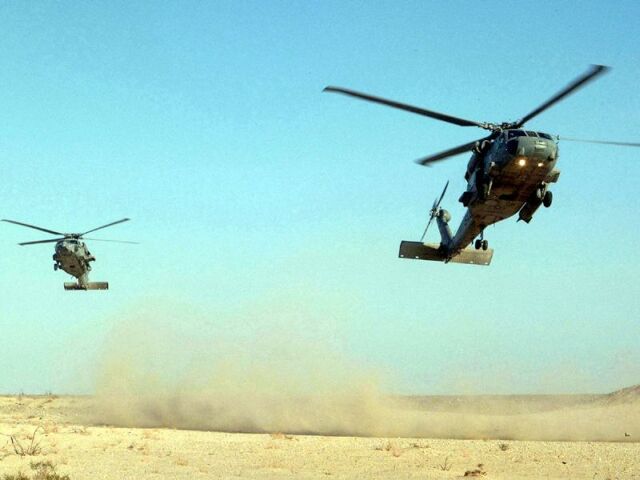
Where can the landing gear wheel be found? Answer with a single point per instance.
(485, 244)
(478, 244)
(55, 267)
(547, 199)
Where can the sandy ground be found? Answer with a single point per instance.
(70, 437)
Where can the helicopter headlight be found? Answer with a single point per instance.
(522, 162)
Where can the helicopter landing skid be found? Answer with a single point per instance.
(86, 286)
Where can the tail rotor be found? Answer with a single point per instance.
(435, 209)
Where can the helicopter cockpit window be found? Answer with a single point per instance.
(515, 133)
(531, 134)
(545, 135)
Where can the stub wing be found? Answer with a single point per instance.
(431, 251)
(86, 286)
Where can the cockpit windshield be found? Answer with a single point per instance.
(528, 133)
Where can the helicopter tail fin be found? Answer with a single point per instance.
(86, 286)
(433, 252)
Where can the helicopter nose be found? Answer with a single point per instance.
(538, 149)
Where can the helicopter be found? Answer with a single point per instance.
(509, 172)
(72, 254)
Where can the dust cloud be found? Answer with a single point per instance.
(175, 368)
(160, 369)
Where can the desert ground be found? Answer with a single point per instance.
(509, 437)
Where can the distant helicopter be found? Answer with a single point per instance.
(509, 172)
(73, 256)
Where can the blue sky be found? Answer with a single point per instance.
(252, 191)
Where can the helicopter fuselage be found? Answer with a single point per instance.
(73, 257)
(508, 174)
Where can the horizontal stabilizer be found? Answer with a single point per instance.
(421, 251)
(472, 256)
(431, 251)
(86, 286)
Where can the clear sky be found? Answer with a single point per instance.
(255, 196)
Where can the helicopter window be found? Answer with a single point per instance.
(545, 135)
(515, 133)
(532, 134)
(512, 147)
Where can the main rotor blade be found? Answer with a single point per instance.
(53, 232)
(448, 153)
(105, 226)
(605, 142)
(593, 72)
(114, 241)
(42, 241)
(409, 108)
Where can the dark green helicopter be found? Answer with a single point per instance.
(509, 172)
(72, 254)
